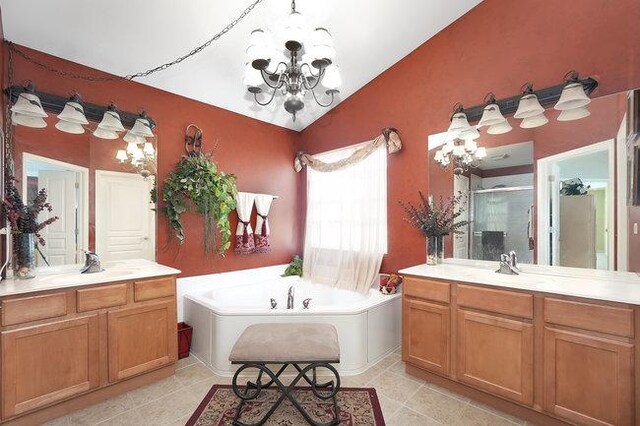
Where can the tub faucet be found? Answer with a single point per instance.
(290, 297)
(91, 263)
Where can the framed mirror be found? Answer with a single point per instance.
(103, 204)
(559, 193)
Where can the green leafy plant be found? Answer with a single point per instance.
(436, 220)
(294, 268)
(196, 184)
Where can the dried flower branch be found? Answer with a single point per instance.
(438, 220)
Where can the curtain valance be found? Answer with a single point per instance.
(389, 137)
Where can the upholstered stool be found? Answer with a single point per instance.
(307, 347)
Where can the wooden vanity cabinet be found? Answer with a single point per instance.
(552, 357)
(426, 325)
(59, 346)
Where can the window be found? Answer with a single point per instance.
(346, 228)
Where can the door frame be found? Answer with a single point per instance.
(83, 202)
(544, 170)
(152, 216)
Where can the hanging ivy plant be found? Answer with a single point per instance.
(197, 184)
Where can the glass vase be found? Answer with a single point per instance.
(24, 256)
(435, 249)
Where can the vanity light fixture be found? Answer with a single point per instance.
(573, 95)
(72, 118)
(111, 120)
(105, 134)
(307, 65)
(142, 126)
(529, 105)
(491, 114)
(500, 128)
(573, 114)
(27, 110)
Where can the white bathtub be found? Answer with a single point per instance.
(221, 306)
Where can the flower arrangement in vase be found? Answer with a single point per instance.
(436, 221)
(25, 227)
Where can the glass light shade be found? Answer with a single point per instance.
(132, 147)
(458, 150)
(529, 106)
(137, 154)
(276, 57)
(142, 127)
(252, 77)
(130, 137)
(295, 28)
(470, 133)
(111, 122)
(321, 37)
(572, 96)
(27, 121)
(470, 145)
(481, 153)
(500, 128)
(459, 122)
(148, 149)
(322, 52)
(73, 113)
(491, 115)
(533, 122)
(69, 127)
(448, 147)
(439, 156)
(258, 38)
(121, 155)
(258, 52)
(105, 134)
(574, 114)
(29, 104)
(332, 79)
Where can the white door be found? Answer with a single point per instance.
(60, 236)
(125, 220)
(461, 241)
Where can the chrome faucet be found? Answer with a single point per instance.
(91, 263)
(508, 264)
(290, 297)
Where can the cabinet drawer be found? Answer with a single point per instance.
(153, 289)
(33, 308)
(613, 320)
(425, 289)
(101, 297)
(498, 301)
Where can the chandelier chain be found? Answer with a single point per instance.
(195, 51)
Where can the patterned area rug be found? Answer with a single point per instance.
(358, 407)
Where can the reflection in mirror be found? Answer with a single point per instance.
(557, 194)
(104, 203)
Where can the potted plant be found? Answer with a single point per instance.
(436, 221)
(25, 227)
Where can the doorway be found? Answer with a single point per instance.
(576, 225)
(125, 216)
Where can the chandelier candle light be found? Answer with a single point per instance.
(303, 66)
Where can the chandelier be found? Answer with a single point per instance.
(304, 65)
(459, 154)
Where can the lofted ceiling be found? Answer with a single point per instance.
(124, 36)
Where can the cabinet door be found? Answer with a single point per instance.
(47, 363)
(426, 335)
(141, 339)
(588, 380)
(496, 354)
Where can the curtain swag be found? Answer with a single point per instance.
(389, 137)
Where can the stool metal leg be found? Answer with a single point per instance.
(287, 391)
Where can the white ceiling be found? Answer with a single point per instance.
(124, 36)
(517, 154)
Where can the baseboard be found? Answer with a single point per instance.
(76, 403)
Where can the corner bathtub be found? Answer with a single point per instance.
(369, 325)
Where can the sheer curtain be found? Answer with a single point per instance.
(346, 227)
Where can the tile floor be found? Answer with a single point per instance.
(405, 400)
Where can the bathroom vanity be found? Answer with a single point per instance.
(69, 339)
(551, 343)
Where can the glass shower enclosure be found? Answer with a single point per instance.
(501, 221)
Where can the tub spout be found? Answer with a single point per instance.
(290, 297)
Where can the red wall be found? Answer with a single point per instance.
(497, 46)
(259, 154)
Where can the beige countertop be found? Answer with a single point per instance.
(610, 286)
(69, 276)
